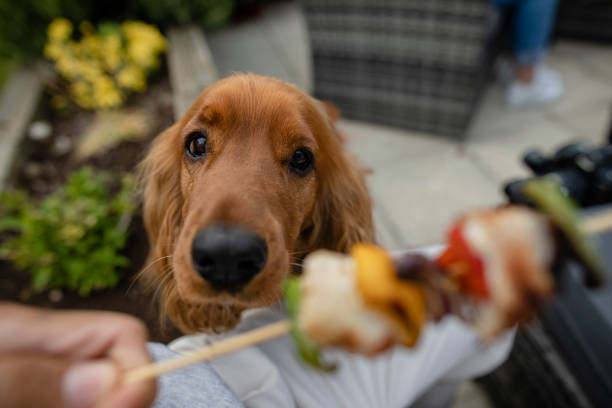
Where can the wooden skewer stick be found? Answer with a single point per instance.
(206, 353)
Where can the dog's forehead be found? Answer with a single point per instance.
(252, 105)
(254, 99)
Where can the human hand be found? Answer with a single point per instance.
(69, 359)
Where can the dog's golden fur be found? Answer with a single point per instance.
(254, 124)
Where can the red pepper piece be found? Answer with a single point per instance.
(459, 260)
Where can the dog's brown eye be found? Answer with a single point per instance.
(196, 145)
(301, 162)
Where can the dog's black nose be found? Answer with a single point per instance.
(228, 257)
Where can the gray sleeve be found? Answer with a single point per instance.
(191, 387)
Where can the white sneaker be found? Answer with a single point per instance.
(546, 87)
(546, 74)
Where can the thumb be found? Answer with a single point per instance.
(38, 381)
(85, 383)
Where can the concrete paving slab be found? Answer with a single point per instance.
(590, 122)
(581, 88)
(285, 27)
(377, 145)
(500, 157)
(592, 59)
(387, 234)
(191, 66)
(18, 102)
(494, 117)
(423, 195)
(273, 45)
(245, 48)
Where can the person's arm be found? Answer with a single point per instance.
(70, 359)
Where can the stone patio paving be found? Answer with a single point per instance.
(421, 182)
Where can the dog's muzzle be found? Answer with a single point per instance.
(228, 257)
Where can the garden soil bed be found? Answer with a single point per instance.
(40, 172)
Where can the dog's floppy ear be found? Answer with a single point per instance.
(342, 215)
(162, 199)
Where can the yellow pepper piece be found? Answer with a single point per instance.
(403, 303)
(412, 300)
(375, 273)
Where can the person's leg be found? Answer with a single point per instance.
(533, 24)
(533, 83)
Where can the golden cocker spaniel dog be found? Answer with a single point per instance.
(247, 182)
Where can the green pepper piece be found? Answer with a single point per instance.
(548, 196)
(309, 351)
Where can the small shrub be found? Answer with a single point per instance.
(72, 238)
(104, 65)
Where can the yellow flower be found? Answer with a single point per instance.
(131, 78)
(91, 45)
(90, 69)
(106, 93)
(104, 65)
(59, 29)
(53, 50)
(68, 66)
(81, 92)
(140, 54)
(111, 46)
(79, 88)
(144, 43)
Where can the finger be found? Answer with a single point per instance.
(139, 395)
(77, 335)
(129, 352)
(99, 382)
(89, 382)
(128, 347)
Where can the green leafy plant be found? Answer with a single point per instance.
(72, 238)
